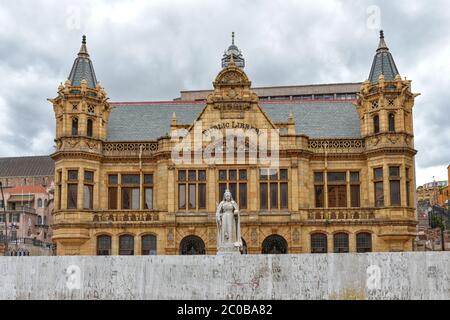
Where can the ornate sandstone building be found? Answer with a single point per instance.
(336, 175)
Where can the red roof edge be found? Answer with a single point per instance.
(178, 102)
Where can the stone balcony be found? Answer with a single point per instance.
(341, 214)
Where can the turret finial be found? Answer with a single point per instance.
(232, 37)
(83, 50)
(382, 45)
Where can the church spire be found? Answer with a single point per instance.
(82, 68)
(233, 51)
(383, 63)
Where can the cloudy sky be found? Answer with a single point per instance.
(150, 50)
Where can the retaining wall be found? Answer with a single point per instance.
(424, 275)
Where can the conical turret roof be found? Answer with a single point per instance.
(82, 68)
(383, 63)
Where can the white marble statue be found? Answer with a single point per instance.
(228, 225)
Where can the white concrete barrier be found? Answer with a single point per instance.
(305, 276)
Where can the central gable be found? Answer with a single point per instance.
(232, 104)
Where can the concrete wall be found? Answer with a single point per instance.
(305, 276)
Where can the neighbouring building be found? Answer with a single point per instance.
(139, 178)
(433, 228)
(432, 192)
(28, 191)
(27, 171)
(443, 196)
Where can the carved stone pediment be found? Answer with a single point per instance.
(394, 139)
(374, 140)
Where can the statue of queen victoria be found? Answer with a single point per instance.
(228, 225)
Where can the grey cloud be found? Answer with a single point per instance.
(152, 51)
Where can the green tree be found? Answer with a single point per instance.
(437, 222)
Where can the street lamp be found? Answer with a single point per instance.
(6, 219)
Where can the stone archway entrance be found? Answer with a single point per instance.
(274, 244)
(192, 245)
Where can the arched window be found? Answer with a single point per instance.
(391, 122)
(363, 242)
(319, 243)
(75, 126)
(39, 220)
(376, 124)
(340, 242)
(148, 245)
(274, 244)
(191, 245)
(126, 245)
(103, 245)
(46, 203)
(39, 203)
(89, 130)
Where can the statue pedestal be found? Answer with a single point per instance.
(228, 249)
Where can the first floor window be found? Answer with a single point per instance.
(192, 189)
(88, 196)
(263, 192)
(72, 196)
(337, 196)
(112, 198)
(234, 180)
(148, 198)
(148, 191)
(355, 196)
(273, 189)
(130, 198)
(337, 189)
(394, 185)
(395, 192)
(318, 189)
(408, 190)
(379, 194)
(182, 196)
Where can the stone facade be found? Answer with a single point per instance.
(329, 194)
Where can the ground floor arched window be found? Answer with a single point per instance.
(340, 242)
(319, 243)
(192, 245)
(126, 245)
(148, 245)
(363, 242)
(104, 245)
(274, 244)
